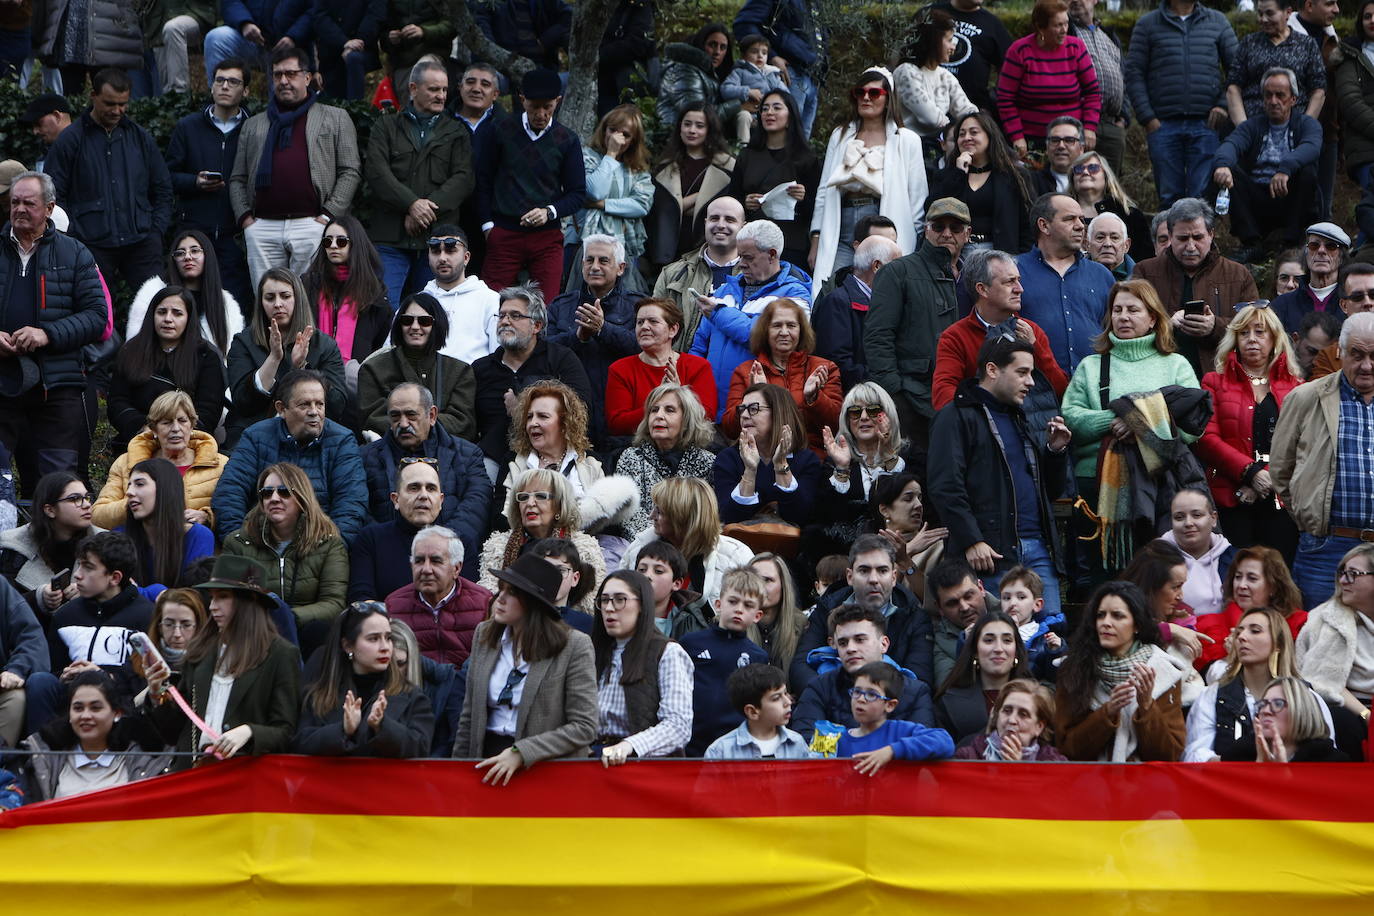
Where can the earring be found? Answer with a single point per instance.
(1016, 660)
(975, 664)
(350, 656)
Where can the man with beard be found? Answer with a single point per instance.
(469, 303)
(299, 434)
(416, 437)
(524, 357)
(872, 577)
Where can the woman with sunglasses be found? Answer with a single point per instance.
(300, 548)
(193, 266)
(170, 434)
(362, 705)
(995, 187)
(416, 356)
(531, 682)
(167, 354)
(346, 293)
(1046, 75)
(1098, 191)
(541, 504)
(783, 345)
(873, 165)
(281, 337)
(779, 154)
(1255, 370)
(769, 469)
(644, 680)
(37, 558)
(1338, 639)
(866, 446)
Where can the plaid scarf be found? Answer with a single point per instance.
(1114, 670)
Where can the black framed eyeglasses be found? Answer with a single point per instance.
(752, 409)
(1348, 574)
(76, 499)
(606, 602)
(1276, 705)
(1063, 141)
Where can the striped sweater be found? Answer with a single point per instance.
(1037, 86)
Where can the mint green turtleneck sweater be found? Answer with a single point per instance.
(1136, 366)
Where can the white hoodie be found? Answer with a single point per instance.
(471, 309)
(1203, 589)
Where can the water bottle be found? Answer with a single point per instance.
(1223, 206)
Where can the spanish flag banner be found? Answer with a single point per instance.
(310, 835)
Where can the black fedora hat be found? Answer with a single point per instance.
(240, 574)
(537, 579)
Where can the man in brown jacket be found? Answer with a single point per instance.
(1193, 269)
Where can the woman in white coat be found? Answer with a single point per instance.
(192, 265)
(873, 165)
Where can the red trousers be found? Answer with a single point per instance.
(540, 252)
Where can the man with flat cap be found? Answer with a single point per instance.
(530, 175)
(1325, 252)
(913, 301)
(48, 115)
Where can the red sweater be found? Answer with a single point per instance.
(631, 379)
(445, 635)
(1227, 447)
(956, 358)
(825, 412)
(1036, 86)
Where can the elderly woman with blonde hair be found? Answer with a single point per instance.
(1255, 370)
(171, 434)
(540, 504)
(670, 442)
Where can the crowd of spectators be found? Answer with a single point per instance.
(913, 436)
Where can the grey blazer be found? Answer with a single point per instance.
(558, 713)
(335, 166)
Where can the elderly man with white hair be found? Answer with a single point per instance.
(597, 321)
(838, 317)
(440, 605)
(1321, 463)
(728, 314)
(1109, 244)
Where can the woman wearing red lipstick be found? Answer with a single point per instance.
(362, 705)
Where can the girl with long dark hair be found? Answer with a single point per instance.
(996, 188)
(346, 293)
(694, 169)
(643, 678)
(255, 715)
(167, 354)
(32, 555)
(193, 265)
(361, 705)
(1119, 692)
(531, 689)
(779, 154)
(155, 520)
(993, 655)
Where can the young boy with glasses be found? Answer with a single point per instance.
(877, 740)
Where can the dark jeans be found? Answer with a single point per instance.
(14, 50)
(1111, 144)
(134, 263)
(233, 270)
(46, 432)
(1255, 214)
(345, 76)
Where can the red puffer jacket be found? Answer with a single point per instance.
(1227, 448)
(445, 635)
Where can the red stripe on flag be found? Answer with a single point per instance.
(1054, 792)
